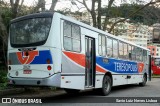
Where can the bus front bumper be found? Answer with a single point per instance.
(53, 80)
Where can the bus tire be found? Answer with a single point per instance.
(143, 83)
(106, 85)
(71, 91)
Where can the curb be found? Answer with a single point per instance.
(156, 77)
(11, 91)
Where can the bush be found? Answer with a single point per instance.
(3, 78)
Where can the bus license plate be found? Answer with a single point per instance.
(27, 72)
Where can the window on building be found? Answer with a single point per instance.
(136, 35)
(157, 54)
(71, 33)
(152, 49)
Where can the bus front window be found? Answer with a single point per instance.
(30, 32)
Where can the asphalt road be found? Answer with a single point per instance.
(87, 98)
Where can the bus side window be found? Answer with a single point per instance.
(144, 56)
(130, 52)
(109, 47)
(102, 45)
(99, 44)
(115, 48)
(71, 37)
(125, 51)
(141, 56)
(67, 36)
(133, 53)
(121, 50)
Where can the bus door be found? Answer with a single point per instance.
(90, 62)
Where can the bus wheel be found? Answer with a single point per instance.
(144, 80)
(72, 91)
(106, 85)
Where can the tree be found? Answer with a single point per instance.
(9, 11)
(14, 9)
(16, 6)
(40, 6)
(54, 2)
(96, 23)
(91, 11)
(132, 14)
(3, 30)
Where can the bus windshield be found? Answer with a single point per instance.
(30, 32)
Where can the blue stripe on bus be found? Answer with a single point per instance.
(117, 66)
(42, 58)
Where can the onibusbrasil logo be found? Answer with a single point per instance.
(20, 100)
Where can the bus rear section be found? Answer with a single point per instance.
(31, 53)
(155, 65)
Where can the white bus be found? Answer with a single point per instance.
(50, 49)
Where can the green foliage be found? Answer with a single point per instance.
(3, 78)
(6, 15)
(148, 16)
(3, 75)
(3, 86)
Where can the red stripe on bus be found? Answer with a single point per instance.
(80, 59)
(140, 67)
(99, 69)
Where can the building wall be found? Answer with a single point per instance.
(137, 34)
(158, 51)
(153, 50)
